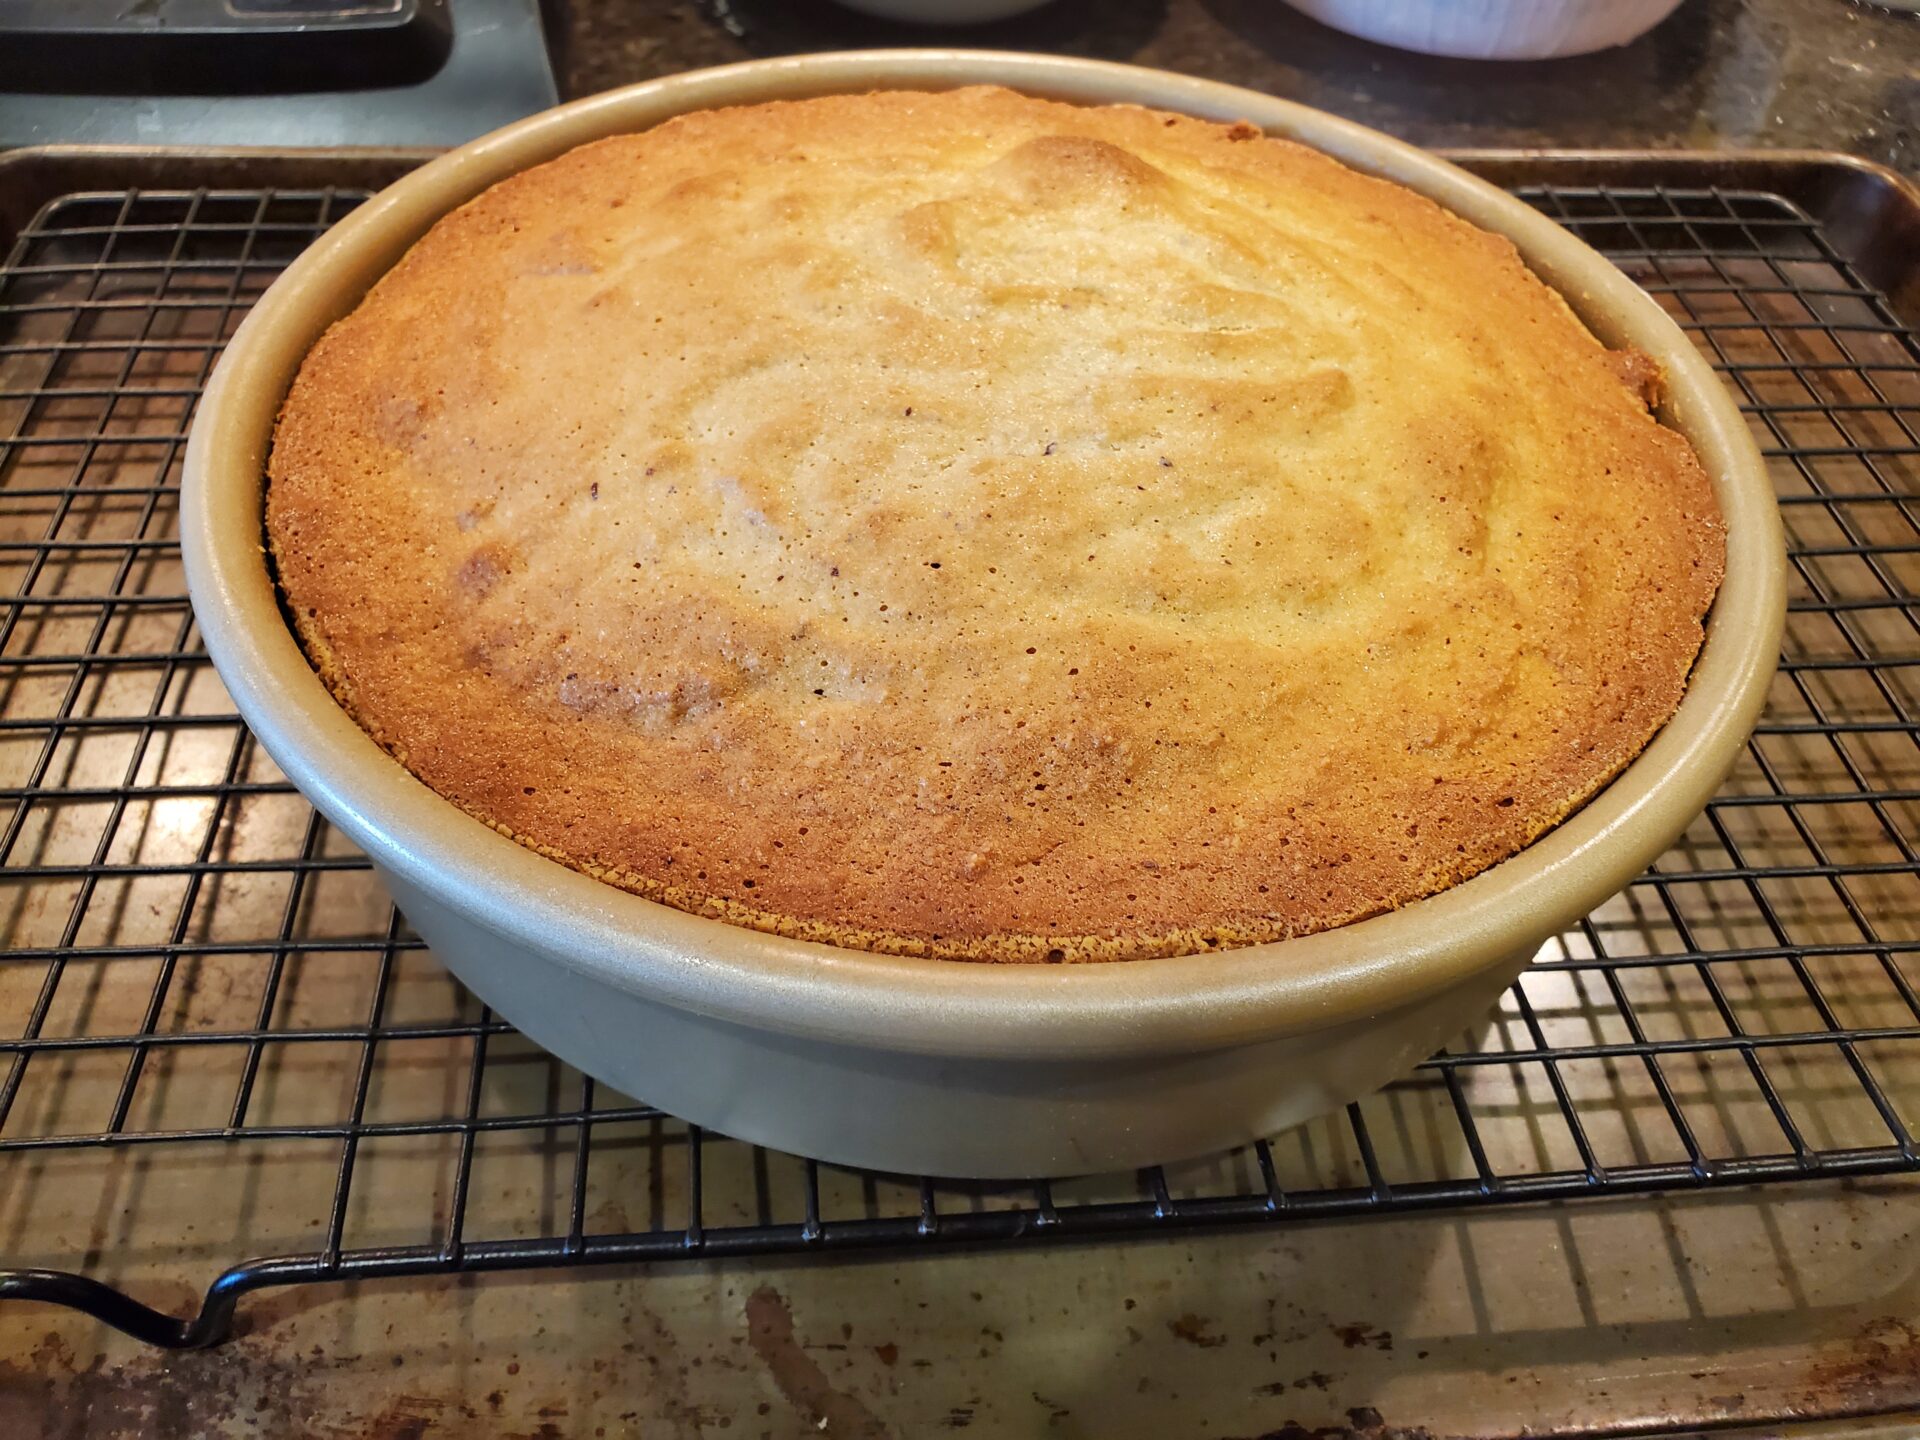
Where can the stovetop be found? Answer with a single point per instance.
(270, 72)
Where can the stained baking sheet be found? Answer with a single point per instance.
(219, 1041)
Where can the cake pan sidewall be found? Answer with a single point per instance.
(558, 916)
(956, 1116)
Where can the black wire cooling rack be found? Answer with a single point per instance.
(219, 1038)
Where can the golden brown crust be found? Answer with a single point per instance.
(975, 526)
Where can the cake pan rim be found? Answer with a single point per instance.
(1204, 1001)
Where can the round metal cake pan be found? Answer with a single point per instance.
(930, 1066)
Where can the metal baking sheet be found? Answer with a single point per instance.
(215, 1031)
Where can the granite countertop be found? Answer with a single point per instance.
(1819, 74)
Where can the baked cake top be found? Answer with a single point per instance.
(970, 525)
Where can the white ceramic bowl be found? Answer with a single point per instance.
(924, 1065)
(1493, 29)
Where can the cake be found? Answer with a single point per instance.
(974, 526)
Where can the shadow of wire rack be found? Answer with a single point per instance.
(219, 1040)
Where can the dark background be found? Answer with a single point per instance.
(1719, 73)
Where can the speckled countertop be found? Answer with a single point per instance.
(1821, 74)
